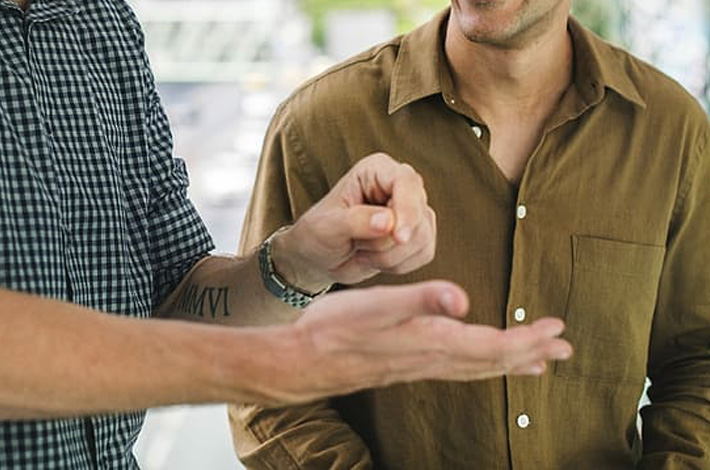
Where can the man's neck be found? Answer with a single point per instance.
(528, 77)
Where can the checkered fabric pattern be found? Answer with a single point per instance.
(93, 207)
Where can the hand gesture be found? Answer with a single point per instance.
(374, 337)
(375, 219)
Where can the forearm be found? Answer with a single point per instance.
(226, 290)
(63, 360)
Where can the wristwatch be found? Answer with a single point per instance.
(276, 284)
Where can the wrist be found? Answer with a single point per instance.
(295, 268)
(271, 377)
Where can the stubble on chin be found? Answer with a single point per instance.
(481, 33)
(476, 21)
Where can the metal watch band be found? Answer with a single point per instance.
(276, 285)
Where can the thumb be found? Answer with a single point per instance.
(384, 306)
(367, 222)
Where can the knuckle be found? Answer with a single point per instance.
(380, 158)
(386, 373)
(430, 253)
(411, 173)
(501, 349)
(426, 239)
(382, 260)
(384, 245)
(363, 162)
(389, 260)
(431, 215)
(372, 160)
(438, 356)
(399, 269)
(407, 168)
(424, 324)
(435, 327)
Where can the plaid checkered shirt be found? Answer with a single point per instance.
(93, 206)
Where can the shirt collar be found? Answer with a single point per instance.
(421, 66)
(600, 66)
(417, 70)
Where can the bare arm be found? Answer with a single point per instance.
(64, 360)
(60, 359)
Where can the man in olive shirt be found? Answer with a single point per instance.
(569, 179)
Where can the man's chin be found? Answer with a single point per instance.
(499, 38)
(491, 28)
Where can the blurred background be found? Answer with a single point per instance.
(223, 66)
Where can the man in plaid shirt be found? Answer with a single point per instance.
(94, 217)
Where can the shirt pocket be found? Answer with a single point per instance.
(610, 306)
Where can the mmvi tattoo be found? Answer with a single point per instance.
(196, 299)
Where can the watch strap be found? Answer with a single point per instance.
(276, 284)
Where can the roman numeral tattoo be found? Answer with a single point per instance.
(195, 299)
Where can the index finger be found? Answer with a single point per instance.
(408, 201)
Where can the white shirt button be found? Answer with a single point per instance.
(520, 314)
(522, 212)
(523, 421)
(478, 131)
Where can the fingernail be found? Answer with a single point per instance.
(564, 353)
(380, 221)
(446, 300)
(555, 330)
(536, 370)
(404, 234)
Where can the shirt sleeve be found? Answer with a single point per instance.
(313, 436)
(676, 425)
(305, 437)
(178, 236)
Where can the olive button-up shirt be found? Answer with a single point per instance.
(609, 230)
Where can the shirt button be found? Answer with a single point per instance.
(478, 131)
(522, 212)
(520, 314)
(523, 421)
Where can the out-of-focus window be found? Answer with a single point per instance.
(224, 65)
(222, 68)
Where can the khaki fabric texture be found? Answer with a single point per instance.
(615, 241)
